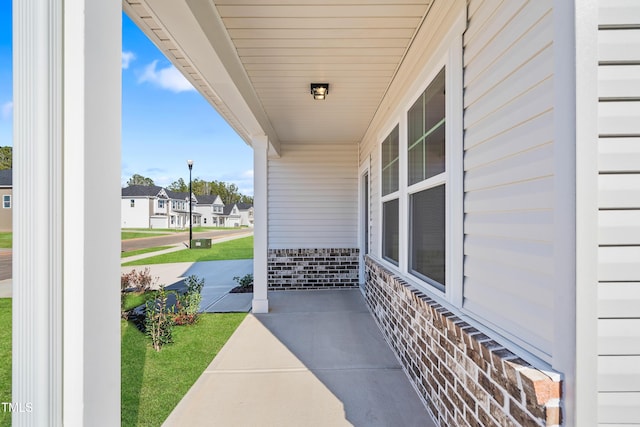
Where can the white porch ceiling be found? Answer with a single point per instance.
(273, 49)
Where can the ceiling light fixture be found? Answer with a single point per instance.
(319, 90)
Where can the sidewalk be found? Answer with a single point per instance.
(317, 359)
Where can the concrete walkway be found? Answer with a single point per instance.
(317, 359)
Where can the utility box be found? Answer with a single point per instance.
(201, 244)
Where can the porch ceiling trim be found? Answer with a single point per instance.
(254, 61)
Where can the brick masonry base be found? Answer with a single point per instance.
(464, 377)
(298, 269)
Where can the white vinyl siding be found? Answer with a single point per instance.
(509, 161)
(136, 216)
(619, 214)
(313, 196)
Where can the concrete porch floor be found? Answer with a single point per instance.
(317, 359)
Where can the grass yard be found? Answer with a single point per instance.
(232, 249)
(6, 239)
(5, 358)
(143, 251)
(154, 382)
(134, 299)
(126, 235)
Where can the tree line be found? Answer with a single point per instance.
(228, 192)
(6, 157)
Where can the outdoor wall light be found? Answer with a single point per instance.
(319, 90)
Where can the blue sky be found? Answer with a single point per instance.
(165, 121)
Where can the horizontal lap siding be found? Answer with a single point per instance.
(508, 162)
(619, 215)
(313, 196)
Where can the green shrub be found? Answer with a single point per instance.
(159, 320)
(244, 281)
(188, 303)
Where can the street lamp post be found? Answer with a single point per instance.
(190, 164)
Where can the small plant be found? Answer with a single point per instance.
(137, 281)
(158, 320)
(245, 281)
(188, 303)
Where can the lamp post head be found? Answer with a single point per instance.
(190, 163)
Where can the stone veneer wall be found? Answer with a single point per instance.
(312, 268)
(465, 378)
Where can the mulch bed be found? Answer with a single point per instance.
(241, 289)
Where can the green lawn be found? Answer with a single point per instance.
(6, 238)
(232, 249)
(154, 382)
(134, 299)
(126, 235)
(5, 358)
(143, 251)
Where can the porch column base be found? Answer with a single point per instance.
(260, 306)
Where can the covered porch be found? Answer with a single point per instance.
(316, 359)
(490, 333)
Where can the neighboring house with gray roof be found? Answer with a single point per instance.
(211, 209)
(246, 214)
(6, 192)
(150, 206)
(231, 216)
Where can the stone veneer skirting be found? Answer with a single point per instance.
(312, 268)
(465, 378)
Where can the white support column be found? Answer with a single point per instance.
(260, 228)
(66, 327)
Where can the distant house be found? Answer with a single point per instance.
(211, 209)
(246, 214)
(6, 191)
(231, 216)
(150, 206)
(178, 210)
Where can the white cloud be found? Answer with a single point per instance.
(166, 78)
(127, 57)
(6, 110)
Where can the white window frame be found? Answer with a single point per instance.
(449, 57)
(393, 195)
(6, 198)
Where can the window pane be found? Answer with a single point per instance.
(416, 163)
(414, 121)
(390, 163)
(434, 101)
(426, 139)
(427, 234)
(435, 152)
(390, 232)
